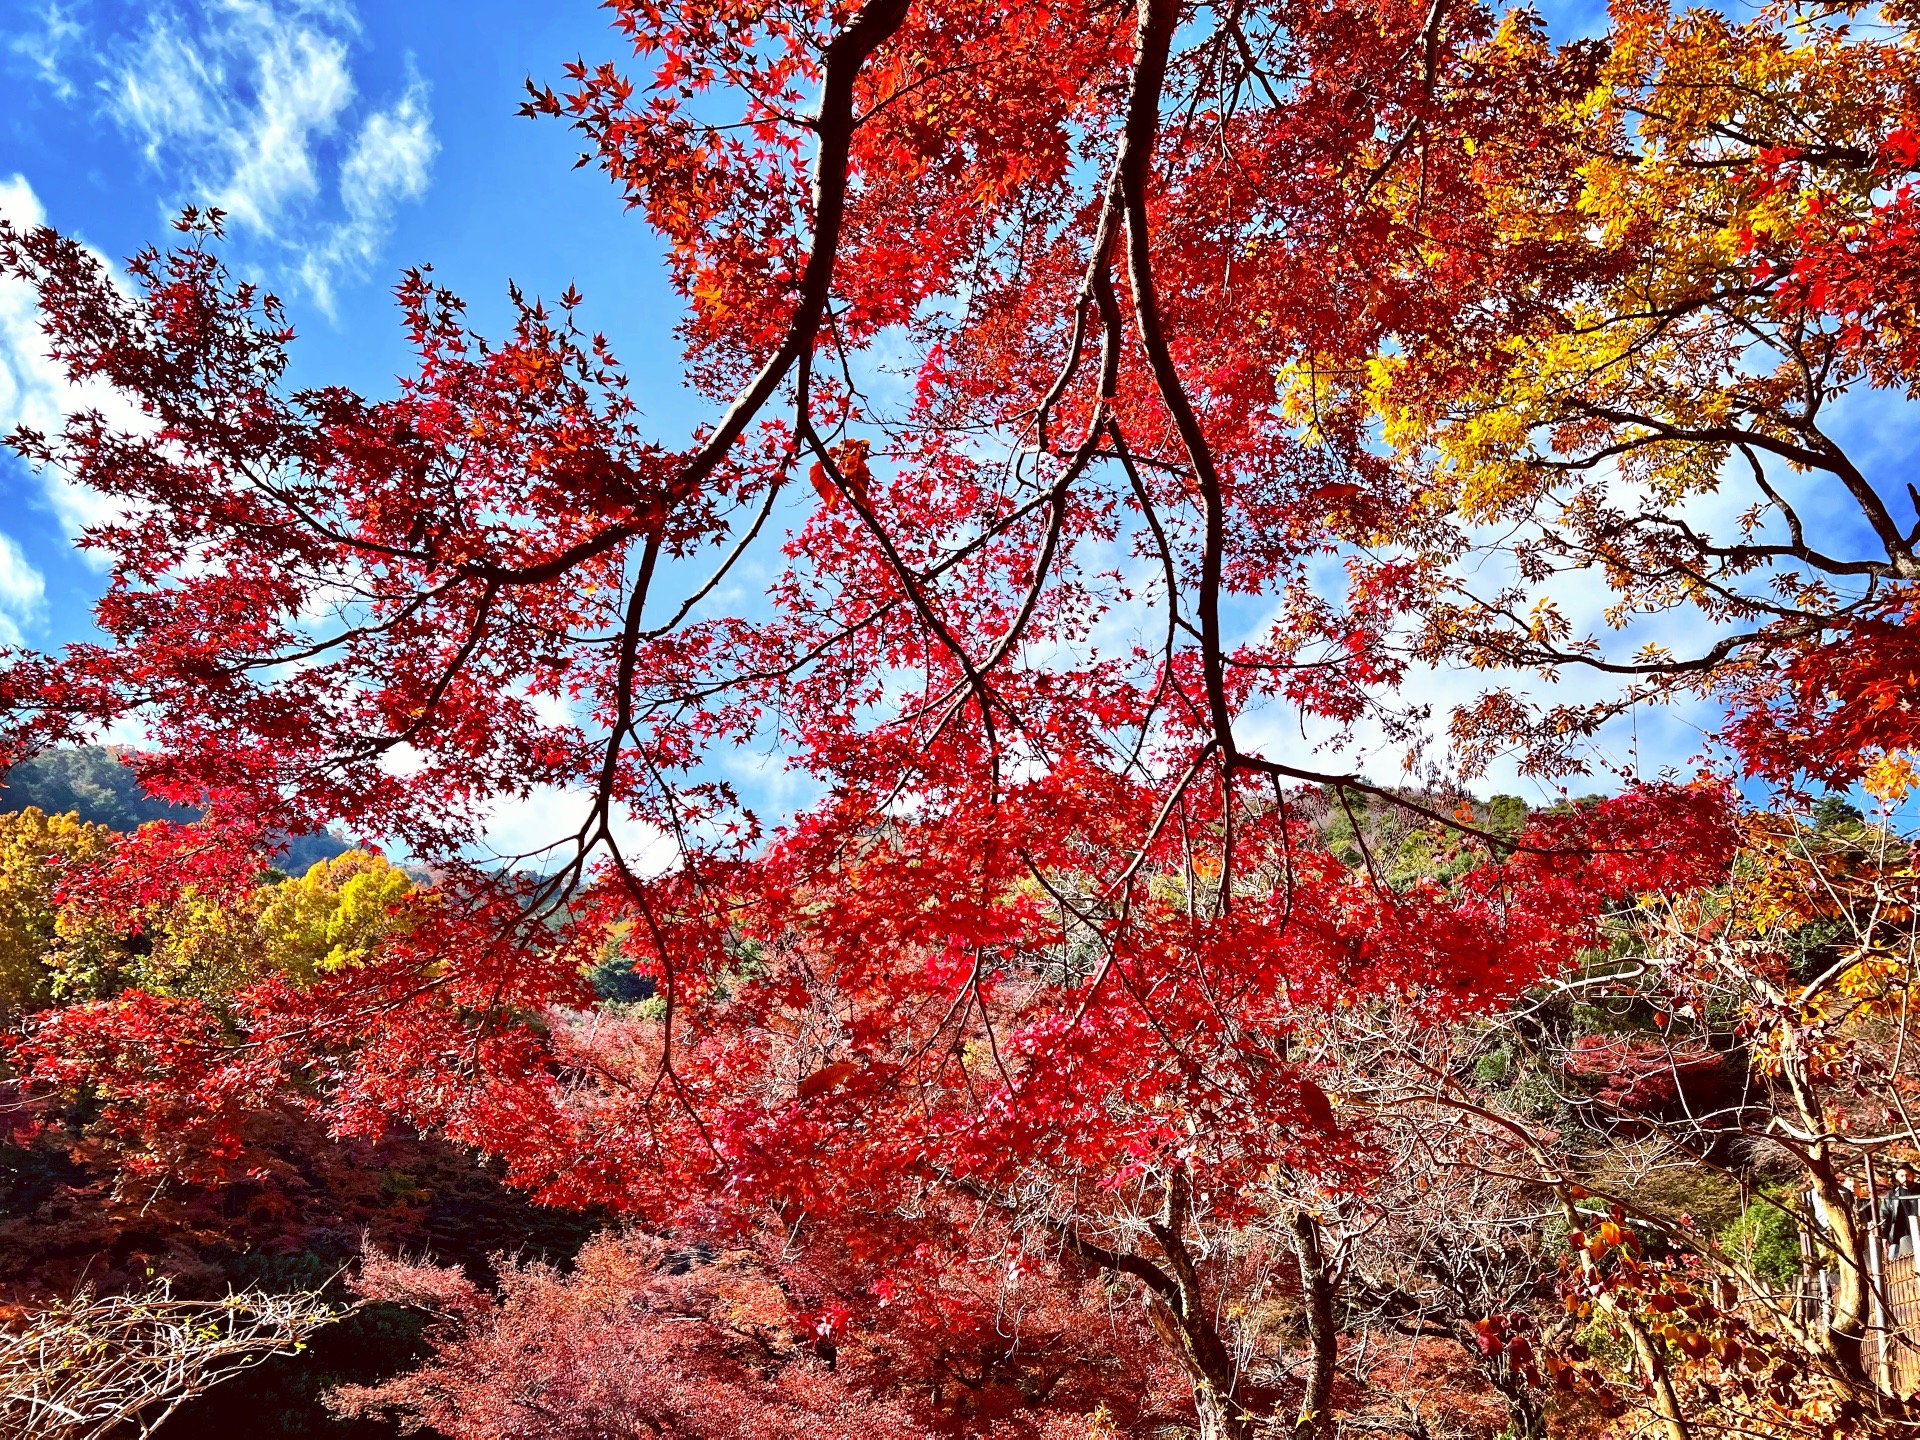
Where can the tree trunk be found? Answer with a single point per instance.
(1673, 1419)
(1209, 1370)
(1836, 1208)
(1182, 1318)
(1220, 1417)
(1315, 1421)
(1176, 1303)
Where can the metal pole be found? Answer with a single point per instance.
(1876, 1280)
(1805, 1306)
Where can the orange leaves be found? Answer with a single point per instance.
(850, 479)
(827, 1078)
(1890, 778)
(823, 486)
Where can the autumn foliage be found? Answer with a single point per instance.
(1166, 381)
(708, 1342)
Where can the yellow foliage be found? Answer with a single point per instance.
(1891, 778)
(33, 849)
(201, 947)
(1666, 345)
(333, 917)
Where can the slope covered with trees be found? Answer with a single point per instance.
(95, 784)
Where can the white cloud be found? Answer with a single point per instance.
(167, 94)
(22, 592)
(389, 164)
(390, 158)
(303, 86)
(251, 106)
(240, 107)
(34, 390)
(46, 44)
(537, 832)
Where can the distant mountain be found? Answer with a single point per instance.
(300, 853)
(92, 782)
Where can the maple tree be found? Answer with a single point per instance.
(1200, 308)
(1672, 414)
(699, 1341)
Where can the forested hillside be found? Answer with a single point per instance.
(94, 784)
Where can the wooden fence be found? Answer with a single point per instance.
(1893, 1345)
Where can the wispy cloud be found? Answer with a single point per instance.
(240, 106)
(388, 165)
(46, 45)
(22, 592)
(252, 106)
